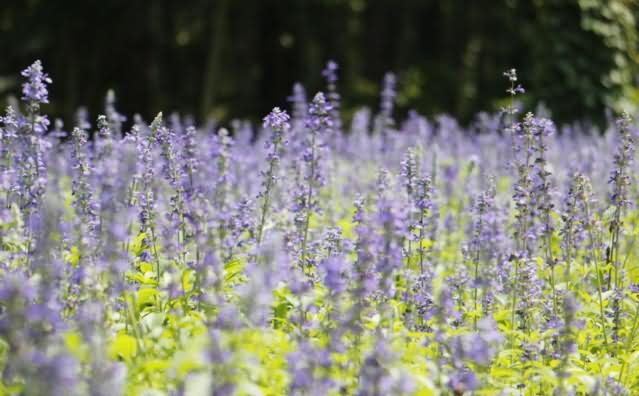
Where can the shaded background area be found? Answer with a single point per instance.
(230, 58)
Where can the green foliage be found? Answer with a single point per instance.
(583, 57)
(577, 56)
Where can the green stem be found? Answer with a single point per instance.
(309, 195)
(514, 308)
(421, 242)
(267, 196)
(602, 316)
(629, 340)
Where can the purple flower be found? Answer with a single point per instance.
(299, 112)
(334, 269)
(114, 117)
(619, 176)
(190, 156)
(463, 381)
(479, 347)
(277, 120)
(409, 171)
(34, 91)
(615, 388)
(306, 200)
(82, 190)
(388, 95)
(512, 77)
(574, 218)
(330, 72)
(318, 111)
(384, 121)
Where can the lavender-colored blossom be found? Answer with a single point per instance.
(388, 96)
(620, 179)
(277, 121)
(320, 256)
(34, 91)
(479, 347)
(330, 74)
(300, 106)
(114, 118)
(375, 378)
(191, 159)
(574, 218)
(82, 190)
(334, 273)
(463, 381)
(318, 123)
(385, 120)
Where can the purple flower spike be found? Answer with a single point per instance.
(35, 89)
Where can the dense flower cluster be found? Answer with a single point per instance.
(310, 258)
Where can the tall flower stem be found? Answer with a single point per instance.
(277, 120)
(599, 275)
(628, 344)
(307, 199)
(620, 179)
(318, 122)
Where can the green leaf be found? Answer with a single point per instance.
(124, 346)
(188, 276)
(137, 246)
(146, 297)
(232, 269)
(72, 256)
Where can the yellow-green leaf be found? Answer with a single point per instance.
(124, 346)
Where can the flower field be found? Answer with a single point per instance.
(307, 256)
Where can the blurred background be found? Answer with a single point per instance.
(239, 58)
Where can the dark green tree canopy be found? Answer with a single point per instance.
(239, 58)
